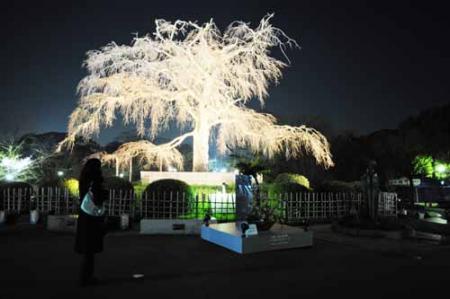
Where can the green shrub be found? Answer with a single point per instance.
(292, 178)
(205, 189)
(116, 183)
(290, 182)
(211, 189)
(288, 188)
(72, 185)
(139, 188)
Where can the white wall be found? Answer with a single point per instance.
(191, 178)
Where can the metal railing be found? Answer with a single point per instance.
(54, 201)
(120, 202)
(172, 205)
(319, 207)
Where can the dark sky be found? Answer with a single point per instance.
(363, 66)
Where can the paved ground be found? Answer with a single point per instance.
(35, 263)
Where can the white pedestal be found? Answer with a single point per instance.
(229, 235)
(171, 226)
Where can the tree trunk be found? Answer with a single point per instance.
(201, 148)
(131, 170)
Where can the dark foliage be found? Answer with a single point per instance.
(52, 182)
(116, 183)
(393, 150)
(14, 185)
(339, 186)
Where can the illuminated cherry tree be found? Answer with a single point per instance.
(199, 78)
(146, 152)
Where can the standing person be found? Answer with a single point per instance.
(90, 229)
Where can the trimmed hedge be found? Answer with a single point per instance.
(292, 178)
(167, 185)
(158, 198)
(290, 182)
(289, 187)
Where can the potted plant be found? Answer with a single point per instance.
(264, 215)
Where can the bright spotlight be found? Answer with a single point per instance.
(440, 168)
(15, 166)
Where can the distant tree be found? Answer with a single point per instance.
(432, 125)
(350, 155)
(423, 166)
(426, 166)
(50, 163)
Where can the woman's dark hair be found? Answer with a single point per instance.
(91, 172)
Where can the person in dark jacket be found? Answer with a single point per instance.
(90, 229)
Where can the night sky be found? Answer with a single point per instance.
(363, 65)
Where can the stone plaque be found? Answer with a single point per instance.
(279, 240)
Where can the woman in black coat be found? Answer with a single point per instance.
(90, 229)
